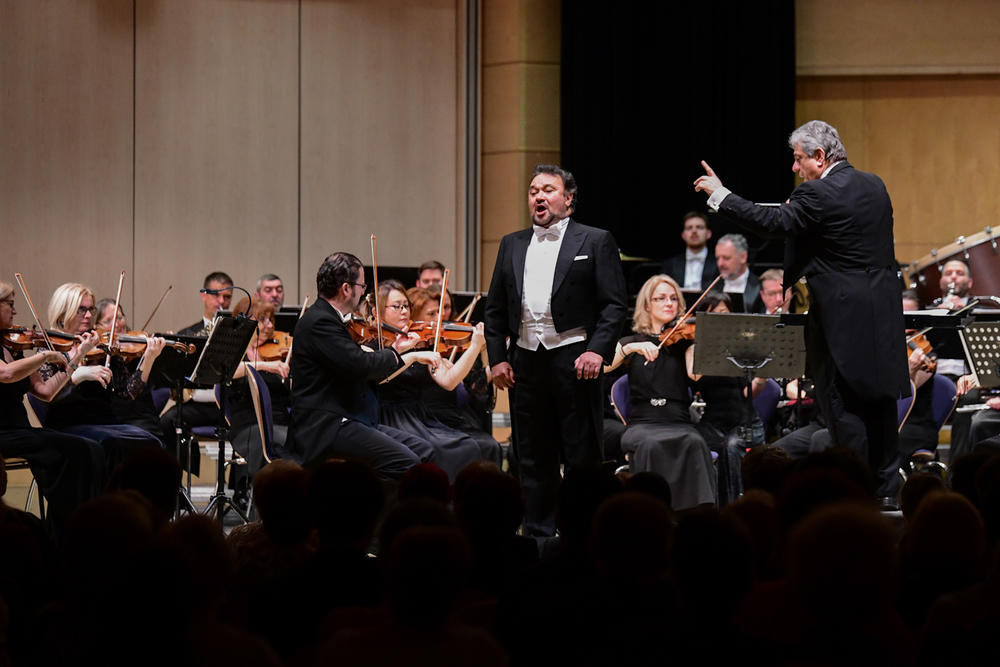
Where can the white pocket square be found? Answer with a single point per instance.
(579, 257)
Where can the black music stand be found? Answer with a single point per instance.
(981, 341)
(225, 348)
(171, 370)
(734, 344)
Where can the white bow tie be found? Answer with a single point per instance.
(543, 233)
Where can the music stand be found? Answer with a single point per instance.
(981, 341)
(170, 370)
(735, 344)
(225, 348)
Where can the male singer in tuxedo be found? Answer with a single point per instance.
(555, 310)
(839, 226)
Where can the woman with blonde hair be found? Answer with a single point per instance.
(68, 469)
(660, 436)
(85, 408)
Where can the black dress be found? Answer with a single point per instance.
(920, 430)
(400, 407)
(69, 469)
(659, 436)
(445, 406)
(85, 410)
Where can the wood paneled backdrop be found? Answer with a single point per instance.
(914, 89)
(173, 138)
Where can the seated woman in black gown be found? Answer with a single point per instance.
(68, 469)
(462, 413)
(920, 430)
(400, 404)
(725, 415)
(660, 436)
(85, 408)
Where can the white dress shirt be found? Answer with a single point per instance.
(738, 286)
(694, 267)
(537, 326)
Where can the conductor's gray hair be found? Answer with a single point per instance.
(816, 135)
(738, 240)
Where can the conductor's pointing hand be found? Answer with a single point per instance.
(708, 183)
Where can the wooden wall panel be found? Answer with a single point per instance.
(216, 148)
(933, 140)
(380, 128)
(66, 148)
(852, 37)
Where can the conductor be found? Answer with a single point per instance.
(838, 223)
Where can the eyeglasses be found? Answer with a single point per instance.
(660, 299)
(81, 311)
(399, 307)
(9, 302)
(364, 288)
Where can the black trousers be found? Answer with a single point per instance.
(556, 419)
(69, 469)
(869, 427)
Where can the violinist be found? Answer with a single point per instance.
(141, 411)
(400, 404)
(334, 404)
(660, 436)
(920, 431)
(725, 414)
(200, 408)
(468, 414)
(244, 433)
(69, 469)
(85, 408)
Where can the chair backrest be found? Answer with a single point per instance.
(265, 417)
(767, 401)
(621, 398)
(944, 399)
(39, 407)
(160, 397)
(904, 405)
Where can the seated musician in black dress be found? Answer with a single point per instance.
(69, 469)
(660, 436)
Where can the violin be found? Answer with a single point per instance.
(683, 330)
(19, 339)
(454, 335)
(275, 348)
(919, 342)
(129, 346)
(364, 331)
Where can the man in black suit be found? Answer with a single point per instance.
(731, 253)
(694, 269)
(201, 409)
(839, 229)
(213, 301)
(558, 297)
(334, 405)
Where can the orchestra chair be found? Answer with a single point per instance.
(943, 402)
(766, 401)
(265, 417)
(621, 396)
(38, 407)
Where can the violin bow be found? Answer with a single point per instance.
(31, 307)
(686, 315)
(378, 318)
(437, 329)
(143, 327)
(467, 313)
(114, 320)
(465, 316)
(288, 357)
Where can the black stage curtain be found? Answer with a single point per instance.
(651, 89)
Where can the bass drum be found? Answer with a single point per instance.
(980, 251)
